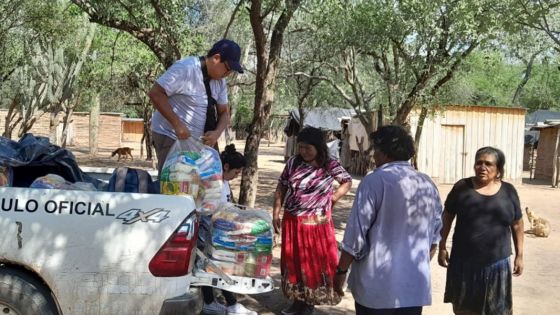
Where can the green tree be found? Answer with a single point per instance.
(268, 54)
(160, 25)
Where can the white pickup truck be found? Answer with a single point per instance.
(79, 252)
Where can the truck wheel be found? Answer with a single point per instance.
(21, 294)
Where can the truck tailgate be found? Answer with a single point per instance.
(93, 248)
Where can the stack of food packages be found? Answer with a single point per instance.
(194, 169)
(241, 241)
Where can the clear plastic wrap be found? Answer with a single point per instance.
(192, 168)
(241, 241)
(53, 181)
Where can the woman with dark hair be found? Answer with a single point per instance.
(233, 163)
(309, 254)
(488, 217)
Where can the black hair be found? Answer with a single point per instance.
(394, 142)
(314, 136)
(233, 158)
(498, 154)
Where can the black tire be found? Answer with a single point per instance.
(21, 294)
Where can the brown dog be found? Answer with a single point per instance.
(539, 226)
(123, 152)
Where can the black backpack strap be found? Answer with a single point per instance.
(121, 178)
(211, 112)
(143, 180)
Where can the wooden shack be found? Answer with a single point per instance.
(453, 134)
(547, 164)
(451, 137)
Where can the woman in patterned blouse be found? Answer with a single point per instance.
(309, 253)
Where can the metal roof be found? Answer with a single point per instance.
(323, 118)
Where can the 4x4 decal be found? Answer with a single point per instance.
(134, 215)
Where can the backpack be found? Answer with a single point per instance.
(132, 180)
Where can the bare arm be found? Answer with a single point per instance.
(341, 191)
(160, 100)
(279, 195)
(443, 256)
(517, 234)
(211, 137)
(433, 251)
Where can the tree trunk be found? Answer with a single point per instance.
(66, 125)
(94, 125)
(250, 178)
(526, 77)
(11, 121)
(53, 126)
(418, 134)
(267, 67)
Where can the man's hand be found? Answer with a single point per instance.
(518, 266)
(181, 131)
(210, 138)
(443, 258)
(339, 283)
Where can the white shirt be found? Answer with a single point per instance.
(184, 85)
(226, 192)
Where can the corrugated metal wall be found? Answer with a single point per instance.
(450, 139)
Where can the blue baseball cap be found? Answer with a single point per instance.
(229, 51)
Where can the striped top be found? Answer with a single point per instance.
(183, 83)
(310, 189)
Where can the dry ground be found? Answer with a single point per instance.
(537, 291)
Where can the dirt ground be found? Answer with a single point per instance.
(537, 291)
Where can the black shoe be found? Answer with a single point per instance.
(308, 310)
(293, 309)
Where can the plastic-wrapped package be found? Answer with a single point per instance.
(192, 168)
(53, 181)
(50, 181)
(242, 237)
(5, 176)
(229, 268)
(248, 264)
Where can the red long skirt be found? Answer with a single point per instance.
(309, 259)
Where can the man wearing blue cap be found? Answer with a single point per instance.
(191, 98)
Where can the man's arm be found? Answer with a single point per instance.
(211, 137)
(160, 100)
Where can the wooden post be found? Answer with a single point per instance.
(555, 160)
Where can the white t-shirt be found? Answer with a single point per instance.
(226, 192)
(183, 83)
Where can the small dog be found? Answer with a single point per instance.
(539, 226)
(123, 152)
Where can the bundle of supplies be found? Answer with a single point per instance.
(194, 169)
(53, 181)
(241, 241)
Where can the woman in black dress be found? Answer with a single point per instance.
(488, 216)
